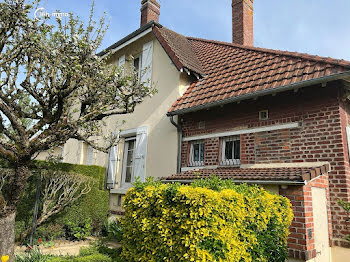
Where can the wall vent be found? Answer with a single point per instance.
(264, 115)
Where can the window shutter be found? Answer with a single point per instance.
(348, 138)
(146, 63)
(112, 166)
(140, 154)
(121, 63)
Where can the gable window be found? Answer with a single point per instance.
(128, 160)
(231, 151)
(197, 153)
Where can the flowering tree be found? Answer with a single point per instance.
(53, 87)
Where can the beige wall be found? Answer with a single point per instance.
(161, 159)
(340, 254)
(56, 152)
(162, 135)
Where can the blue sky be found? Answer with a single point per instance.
(320, 27)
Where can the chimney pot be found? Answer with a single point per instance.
(150, 11)
(242, 22)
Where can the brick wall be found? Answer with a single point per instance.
(321, 137)
(301, 242)
(242, 22)
(150, 11)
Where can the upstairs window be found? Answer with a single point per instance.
(128, 161)
(137, 65)
(231, 151)
(197, 153)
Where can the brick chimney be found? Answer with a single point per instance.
(149, 11)
(242, 22)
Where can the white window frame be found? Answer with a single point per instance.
(125, 156)
(192, 162)
(229, 162)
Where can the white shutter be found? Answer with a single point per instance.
(146, 63)
(348, 138)
(112, 166)
(121, 63)
(140, 154)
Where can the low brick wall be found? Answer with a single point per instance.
(301, 242)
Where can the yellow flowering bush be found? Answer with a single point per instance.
(210, 220)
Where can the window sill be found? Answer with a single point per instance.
(227, 165)
(121, 191)
(191, 168)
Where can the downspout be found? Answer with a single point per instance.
(179, 146)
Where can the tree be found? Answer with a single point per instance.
(59, 190)
(71, 92)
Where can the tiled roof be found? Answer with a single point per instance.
(293, 174)
(230, 71)
(179, 49)
(233, 70)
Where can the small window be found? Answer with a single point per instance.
(264, 115)
(128, 161)
(137, 64)
(197, 153)
(231, 151)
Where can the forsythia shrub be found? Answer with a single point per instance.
(211, 220)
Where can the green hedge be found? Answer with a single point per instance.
(211, 220)
(93, 205)
(91, 258)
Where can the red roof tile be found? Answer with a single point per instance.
(233, 70)
(295, 174)
(179, 49)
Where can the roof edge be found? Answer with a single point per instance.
(279, 89)
(172, 55)
(321, 59)
(257, 182)
(130, 36)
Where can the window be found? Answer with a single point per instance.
(137, 65)
(264, 115)
(197, 153)
(128, 160)
(231, 151)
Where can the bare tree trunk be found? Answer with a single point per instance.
(12, 193)
(7, 236)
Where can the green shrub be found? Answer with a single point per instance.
(113, 230)
(50, 231)
(211, 220)
(93, 205)
(90, 258)
(33, 256)
(79, 231)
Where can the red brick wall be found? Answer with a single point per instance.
(150, 11)
(300, 244)
(267, 147)
(321, 137)
(242, 22)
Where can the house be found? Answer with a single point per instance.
(253, 115)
